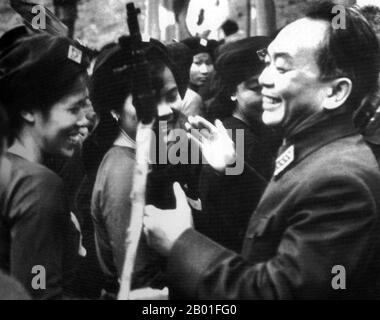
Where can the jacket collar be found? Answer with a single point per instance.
(314, 133)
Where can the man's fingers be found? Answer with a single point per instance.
(195, 133)
(191, 124)
(147, 223)
(147, 226)
(205, 134)
(219, 125)
(151, 210)
(146, 233)
(195, 140)
(200, 134)
(201, 123)
(180, 195)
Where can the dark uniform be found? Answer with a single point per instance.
(229, 200)
(320, 211)
(10, 289)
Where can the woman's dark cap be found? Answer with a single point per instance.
(198, 45)
(113, 77)
(38, 70)
(238, 61)
(182, 57)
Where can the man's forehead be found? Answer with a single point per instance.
(299, 37)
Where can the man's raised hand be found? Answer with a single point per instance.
(216, 145)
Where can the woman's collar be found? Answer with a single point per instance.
(124, 140)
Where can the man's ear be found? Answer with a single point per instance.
(338, 93)
(28, 116)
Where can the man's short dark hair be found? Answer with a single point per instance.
(351, 52)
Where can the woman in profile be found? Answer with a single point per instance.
(112, 87)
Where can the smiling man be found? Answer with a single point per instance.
(320, 212)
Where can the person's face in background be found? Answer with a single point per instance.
(61, 131)
(201, 69)
(168, 98)
(249, 99)
(90, 122)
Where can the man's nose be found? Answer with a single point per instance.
(266, 78)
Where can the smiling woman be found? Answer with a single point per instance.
(113, 86)
(60, 126)
(44, 93)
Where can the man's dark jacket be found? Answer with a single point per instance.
(322, 211)
(228, 200)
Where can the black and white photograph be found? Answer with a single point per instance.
(202, 152)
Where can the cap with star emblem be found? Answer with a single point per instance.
(37, 70)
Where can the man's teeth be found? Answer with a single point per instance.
(271, 100)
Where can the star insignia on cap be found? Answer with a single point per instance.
(203, 42)
(75, 54)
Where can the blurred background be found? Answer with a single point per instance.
(98, 22)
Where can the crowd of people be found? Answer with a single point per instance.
(298, 109)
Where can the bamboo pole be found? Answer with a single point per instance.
(144, 138)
